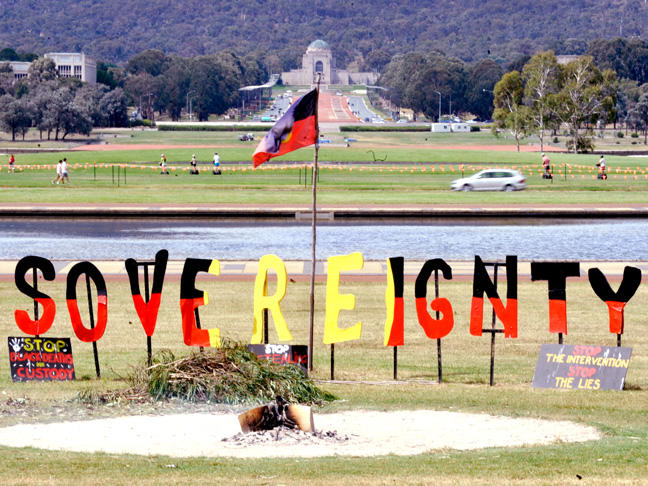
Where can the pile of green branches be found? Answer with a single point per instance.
(230, 374)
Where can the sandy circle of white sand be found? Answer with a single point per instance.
(358, 433)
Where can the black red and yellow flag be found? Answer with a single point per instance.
(297, 128)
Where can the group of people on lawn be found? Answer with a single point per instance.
(546, 165)
(194, 165)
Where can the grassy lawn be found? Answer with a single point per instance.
(617, 458)
(417, 169)
(116, 178)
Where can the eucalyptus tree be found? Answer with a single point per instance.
(15, 115)
(510, 112)
(586, 95)
(541, 78)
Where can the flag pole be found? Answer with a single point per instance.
(311, 314)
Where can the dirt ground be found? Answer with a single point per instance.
(352, 433)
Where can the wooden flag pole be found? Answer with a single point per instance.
(314, 233)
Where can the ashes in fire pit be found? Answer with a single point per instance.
(279, 413)
(286, 436)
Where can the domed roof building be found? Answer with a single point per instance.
(319, 59)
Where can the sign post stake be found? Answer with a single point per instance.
(492, 357)
(92, 325)
(492, 330)
(197, 316)
(438, 315)
(395, 362)
(35, 289)
(265, 315)
(147, 296)
(149, 346)
(314, 239)
(332, 361)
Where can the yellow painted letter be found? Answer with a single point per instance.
(263, 301)
(335, 302)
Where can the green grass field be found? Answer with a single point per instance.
(416, 171)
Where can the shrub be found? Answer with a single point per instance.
(583, 144)
(215, 128)
(619, 134)
(139, 123)
(475, 128)
(555, 140)
(229, 374)
(634, 135)
(384, 128)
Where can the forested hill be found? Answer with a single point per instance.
(363, 31)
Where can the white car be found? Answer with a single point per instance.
(491, 180)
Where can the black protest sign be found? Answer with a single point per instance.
(578, 367)
(282, 354)
(40, 359)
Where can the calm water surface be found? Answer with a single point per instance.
(461, 240)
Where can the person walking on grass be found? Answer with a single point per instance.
(59, 174)
(64, 171)
(216, 170)
(12, 163)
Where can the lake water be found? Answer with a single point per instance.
(448, 239)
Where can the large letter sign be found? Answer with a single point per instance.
(556, 274)
(148, 311)
(483, 283)
(615, 301)
(191, 298)
(83, 333)
(263, 301)
(394, 323)
(434, 328)
(23, 321)
(335, 302)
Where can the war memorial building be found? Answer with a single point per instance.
(319, 59)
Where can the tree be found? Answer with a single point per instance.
(215, 81)
(482, 77)
(638, 115)
(510, 113)
(43, 69)
(377, 59)
(6, 79)
(64, 114)
(8, 54)
(586, 95)
(151, 61)
(416, 79)
(15, 115)
(110, 75)
(541, 81)
(175, 88)
(113, 105)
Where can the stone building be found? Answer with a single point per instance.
(319, 59)
(69, 65)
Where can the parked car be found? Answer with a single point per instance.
(491, 180)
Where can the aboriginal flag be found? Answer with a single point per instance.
(296, 129)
